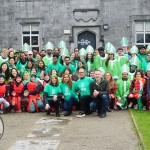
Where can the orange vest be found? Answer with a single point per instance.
(18, 89)
(2, 90)
(31, 86)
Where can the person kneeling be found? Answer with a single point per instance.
(69, 93)
(3, 95)
(31, 91)
(99, 90)
(52, 95)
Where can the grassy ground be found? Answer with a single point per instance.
(142, 119)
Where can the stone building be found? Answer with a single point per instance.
(77, 22)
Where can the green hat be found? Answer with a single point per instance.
(26, 47)
(148, 67)
(148, 47)
(107, 46)
(61, 44)
(49, 45)
(124, 42)
(89, 49)
(134, 49)
(64, 52)
(102, 70)
(112, 49)
(125, 68)
(82, 51)
(134, 61)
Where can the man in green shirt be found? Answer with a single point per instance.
(142, 54)
(83, 86)
(55, 65)
(68, 65)
(146, 62)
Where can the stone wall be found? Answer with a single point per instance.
(55, 16)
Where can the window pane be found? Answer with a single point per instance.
(34, 40)
(140, 38)
(147, 38)
(139, 26)
(26, 29)
(147, 26)
(37, 48)
(26, 39)
(35, 29)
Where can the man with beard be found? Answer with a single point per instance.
(68, 65)
(48, 59)
(123, 88)
(77, 58)
(43, 53)
(142, 54)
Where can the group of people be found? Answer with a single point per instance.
(101, 80)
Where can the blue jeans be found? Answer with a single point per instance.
(68, 104)
(6, 105)
(102, 104)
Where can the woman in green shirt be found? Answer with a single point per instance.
(52, 95)
(68, 91)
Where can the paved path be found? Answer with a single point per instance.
(115, 132)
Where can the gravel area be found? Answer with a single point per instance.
(115, 132)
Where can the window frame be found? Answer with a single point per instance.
(141, 32)
(31, 35)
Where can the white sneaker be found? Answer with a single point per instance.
(80, 115)
(136, 106)
(144, 107)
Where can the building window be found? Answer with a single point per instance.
(142, 30)
(30, 35)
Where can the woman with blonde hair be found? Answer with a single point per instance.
(52, 95)
(112, 89)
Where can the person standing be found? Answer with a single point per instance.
(48, 59)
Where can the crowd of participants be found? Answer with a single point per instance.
(101, 80)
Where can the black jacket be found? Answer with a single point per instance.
(102, 87)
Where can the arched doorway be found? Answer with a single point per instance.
(86, 38)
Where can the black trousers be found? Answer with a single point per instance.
(85, 103)
(54, 104)
(132, 100)
(143, 99)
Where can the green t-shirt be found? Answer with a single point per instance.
(83, 85)
(58, 67)
(51, 90)
(71, 67)
(67, 92)
(21, 67)
(141, 57)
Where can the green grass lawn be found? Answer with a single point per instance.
(142, 119)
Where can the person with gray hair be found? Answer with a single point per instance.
(99, 90)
